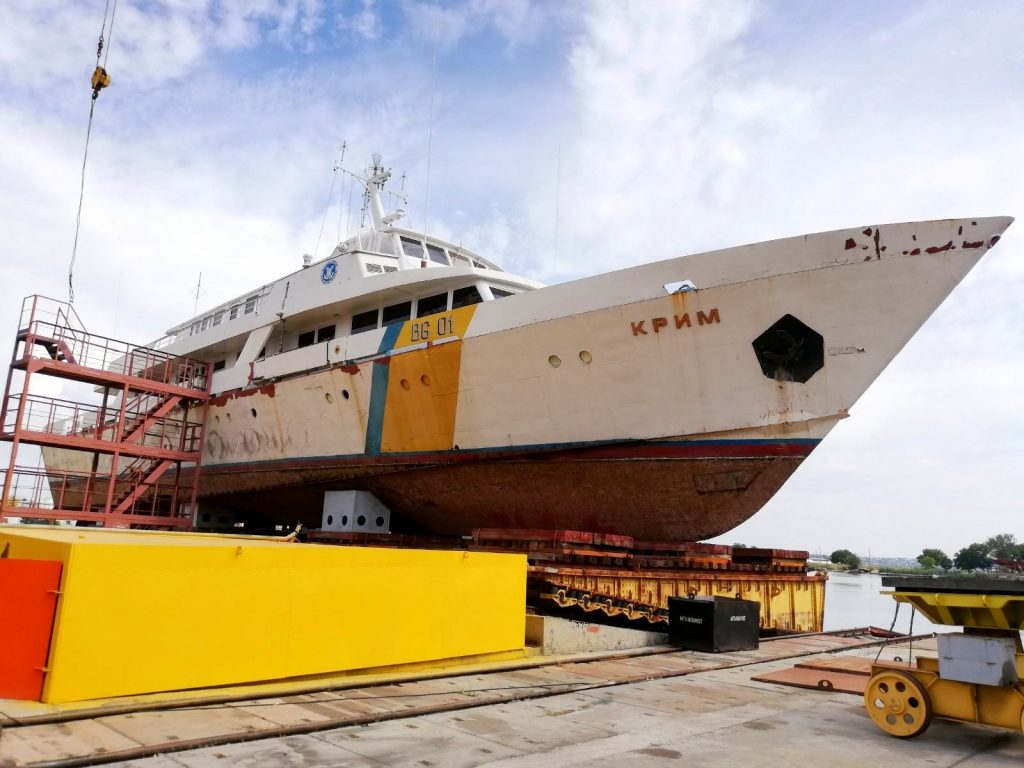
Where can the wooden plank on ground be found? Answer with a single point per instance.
(855, 665)
(816, 679)
(170, 726)
(59, 741)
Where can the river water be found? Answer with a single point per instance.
(853, 600)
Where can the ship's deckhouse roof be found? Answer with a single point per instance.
(379, 265)
(368, 254)
(374, 249)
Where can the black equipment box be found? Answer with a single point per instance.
(713, 624)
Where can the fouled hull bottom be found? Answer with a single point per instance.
(667, 492)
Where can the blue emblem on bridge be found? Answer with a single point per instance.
(329, 271)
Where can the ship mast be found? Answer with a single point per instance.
(374, 186)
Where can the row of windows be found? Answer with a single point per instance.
(437, 254)
(411, 247)
(393, 314)
(425, 306)
(309, 338)
(218, 317)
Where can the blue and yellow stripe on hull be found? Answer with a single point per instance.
(414, 394)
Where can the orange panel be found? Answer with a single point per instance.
(422, 398)
(28, 597)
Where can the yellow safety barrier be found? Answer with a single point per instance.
(143, 612)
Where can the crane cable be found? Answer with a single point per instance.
(100, 80)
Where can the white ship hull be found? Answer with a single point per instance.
(602, 404)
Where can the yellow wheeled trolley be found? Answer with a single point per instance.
(977, 676)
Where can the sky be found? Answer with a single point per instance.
(561, 139)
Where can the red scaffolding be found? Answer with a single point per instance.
(130, 459)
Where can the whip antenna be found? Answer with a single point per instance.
(430, 130)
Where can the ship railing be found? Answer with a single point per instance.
(71, 495)
(56, 416)
(55, 326)
(51, 415)
(45, 309)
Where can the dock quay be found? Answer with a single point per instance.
(652, 706)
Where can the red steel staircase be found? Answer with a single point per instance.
(129, 460)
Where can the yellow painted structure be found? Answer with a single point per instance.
(979, 611)
(422, 399)
(143, 611)
(789, 602)
(902, 699)
(423, 384)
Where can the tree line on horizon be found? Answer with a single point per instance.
(980, 556)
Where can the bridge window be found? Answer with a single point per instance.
(234, 312)
(412, 248)
(218, 318)
(463, 297)
(500, 293)
(219, 365)
(364, 321)
(437, 254)
(397, 313)
(250, 305)
(325, 334)
(307, 339)
(431, 305)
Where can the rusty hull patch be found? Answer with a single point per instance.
(940, 248)
(266, 389)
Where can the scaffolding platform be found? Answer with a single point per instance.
(116, 462)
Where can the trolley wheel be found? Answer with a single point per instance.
(898, 704)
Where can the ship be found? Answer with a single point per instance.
(667, 401)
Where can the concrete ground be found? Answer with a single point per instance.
(714, 719)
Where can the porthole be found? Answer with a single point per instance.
(361, 520)
(425, 380)
(216, 418)
(228, 417)
(379, 521)
(344, 519)
(405, 383)
(586, 357)
(330, 519)
(554, 361)
(253, 412)
(328, 397)
(344, 393)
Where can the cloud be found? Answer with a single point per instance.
(365, 22)
(665, 127)
(152, 43)
(516, 21)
